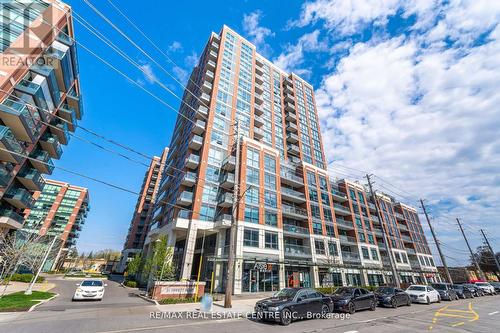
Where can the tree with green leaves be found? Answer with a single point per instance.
(134, 265)
(158, 265)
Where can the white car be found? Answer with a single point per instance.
(420, 293)
(486, 288)
(89, 289)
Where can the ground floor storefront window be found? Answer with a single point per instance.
(298, 277)
(406, 279)
(375, 279)
(353, 279)
(260, 276)
(327, 279)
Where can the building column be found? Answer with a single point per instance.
(344, 277)
(281, 258)
(187, 262)
(238, 263)
(218, 265)
(315, 283)
(364, 277)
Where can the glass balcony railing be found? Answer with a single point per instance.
(291, 176)
(28, 128)
(292, 193)
(286, 209)
(295, 229)
(350, 257)
(339, 207)
(51, 143)
(12, 147)
(32, 175)
(44, 162)
(292, 249)
(347, 239)
(20, 197)
(11, 215)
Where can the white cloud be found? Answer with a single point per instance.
(181, 74)
(175, 46)
(148, 73)
(192, 60)
(256, 33)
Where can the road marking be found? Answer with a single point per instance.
(492, 313)
(469, 314)
(147, 328)
(351, 332)
(458, 324)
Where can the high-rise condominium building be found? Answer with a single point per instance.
(39, 99)
(59, 210)
(295, 225)
(139, 224)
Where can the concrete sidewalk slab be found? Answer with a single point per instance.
(15, 286)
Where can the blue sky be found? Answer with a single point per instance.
(407, 90)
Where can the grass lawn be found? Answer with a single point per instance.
(21, 302)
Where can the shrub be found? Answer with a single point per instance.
(177, 300)
(26, 278)
(131, 284)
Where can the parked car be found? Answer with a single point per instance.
(293, 303)
(352, 299)
(496, 285)
(476, 291)
(420, 293)
(463, 291)
(89, 289)
(446, 291)
(75, 271)
(393, 297)
(486, 288)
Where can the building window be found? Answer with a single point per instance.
(269, 163)
(271, 219)
(374, 254)
(253, 158)
(319, 245)
(252, 214)
(366, 254)
(332, 249)
(271, 240)
(251, 237)
(270, 199)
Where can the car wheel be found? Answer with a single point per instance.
(394, 303)
(373, 306)
(457, 298)
(285, 317)
(408, 302)
(351, 308)
(429, 300)
(325, 309)
(439, 299)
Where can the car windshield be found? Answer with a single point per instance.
(417, 288)
(459, 287)
(91, 283)
(439, 286)
(343, 291)
(287, 292)
(385, 290)
(483, 284)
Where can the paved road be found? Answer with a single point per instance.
(121, 312)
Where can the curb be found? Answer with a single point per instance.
(41, 302)
(148, 299)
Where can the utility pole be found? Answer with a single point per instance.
(30, 287)
(479, 270)
(492, 253)
(436, 241)
(234, 227)
(384, 235)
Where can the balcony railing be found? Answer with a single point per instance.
(292, 249)
(347, 239)
(292, 194)
(295, 229)
(31, 178)
(11, 147)
(40, 159)
(19, 197)
(341, 209)
(351, 257)
(296, 211)
(289, 175)
(19, 119)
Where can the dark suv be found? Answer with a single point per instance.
(352, 299)
(446, 291)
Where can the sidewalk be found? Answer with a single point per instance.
(239, 306)
(21, 286)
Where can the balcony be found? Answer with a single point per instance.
(294, 212)
(293, 149)
(351, 257)
(205, 98)
(41, 161)
(293, 250)
(259, 79)
(406, 239)
(259, 70)
(60, 129)
(378, 231)
(410, 251)
(258, 99)
(63, 62)
(227, 181)
(185, 198)
(257, 110)
(375, 219)
(209, 75)
(288, 89)
(207, 87)
(258, 121)
(292, 195)
(344, 224)
(259, 62)
(289, 98)
(9, 146)
(69, 114)
(31, 178)
(19, 197)
(289, 107)
(291, 127)
(229, 163)
(258, 133)
(372, 206)
(189, 179)
(223, 221)
(400, 217)
(338, 196)
(294, 229)
(287, 82)
(76, 102)
(5, 174)
(292, 138)
(9, 219)
(403, 227)
(259, 89)
(192, 161)
(214, 46)
(226, 200)
(291, 116)
(211, 64)
(50, 144)
(19, 119)
(196, 142)
(290, 178)
(199, 127)
(212, 55)
(347, 240)
(202, 112)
